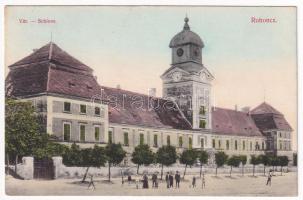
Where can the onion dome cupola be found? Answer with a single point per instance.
(186, 46)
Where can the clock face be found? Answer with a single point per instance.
(177, 76)
(180, 52)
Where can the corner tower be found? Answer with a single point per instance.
(187, 81)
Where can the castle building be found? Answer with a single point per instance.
(73, 107)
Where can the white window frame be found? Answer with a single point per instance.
(80, 132)
(64, 107)
(97, 126)
(85, 109)
(70, 130)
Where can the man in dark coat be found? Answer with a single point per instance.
(171, 180)
(145, 181)
(177, 178)
(167, 179)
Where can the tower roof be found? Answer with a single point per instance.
(265, 108)
(186, 36)
(52, 53)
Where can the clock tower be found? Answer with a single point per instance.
(187, 81)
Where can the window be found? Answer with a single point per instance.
(82, 133)
(168, 140)
(251, 146)
(243, 145)
(202, 123)
(280, 145)
(66, 107)
(155, 140)
(219, 144)
(180, 141)
(202, 110)
(214, 143)
(236, 145)
(280, 135)
(263, 146)
(66, 131)
(141, 138)
(202, 142)
(125, 139)
(97, 133)
(227, 144)
(190, 143)
(97, 111)
(257, 146)
(83, 109)
(110, 137)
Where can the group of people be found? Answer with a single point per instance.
(169, 179)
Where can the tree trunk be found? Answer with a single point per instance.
(281, 170)
(200, 170)
(162, 172)
(16, 162)
(253, 170)
(264, 170)
(138, 169)
(216, 170)
(7, 160)
(184, 171)
(109, 171)
(85, 175)
(231, 168)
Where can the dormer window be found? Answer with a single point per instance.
(89, 87)
(71, 84)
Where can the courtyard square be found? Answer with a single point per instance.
(222, 185)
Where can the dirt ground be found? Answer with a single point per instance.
(222, 185)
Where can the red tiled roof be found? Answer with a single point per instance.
(231, 122)
(267, 117)
(265, 108)
(132, 108)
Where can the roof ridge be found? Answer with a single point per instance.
(50, 51)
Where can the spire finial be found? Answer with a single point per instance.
(186, 26)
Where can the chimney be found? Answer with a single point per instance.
(152, 92)
(236, 107)
(118, 87)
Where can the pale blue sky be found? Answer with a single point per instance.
(129, 46)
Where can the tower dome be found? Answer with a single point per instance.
(186, 36)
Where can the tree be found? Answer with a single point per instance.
(233, 161)
(203, 158)
(22, 135)
(265, 160)
(73, 156)
(51, 149)
(283, 161)
(254, 161)
(221, 159)
(243, 160)
(274, 162)
(115, 154)
(142, 155)
(188, 157)
(166, 155)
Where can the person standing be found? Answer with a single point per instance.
(269, 178)
(91, 183)
(203, 181)
(171, 180)
(129, 178)
(194, 182)
(145, 181)
(154, 179)
(177, 178)
(167, 179)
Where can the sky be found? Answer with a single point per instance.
(128, 45)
